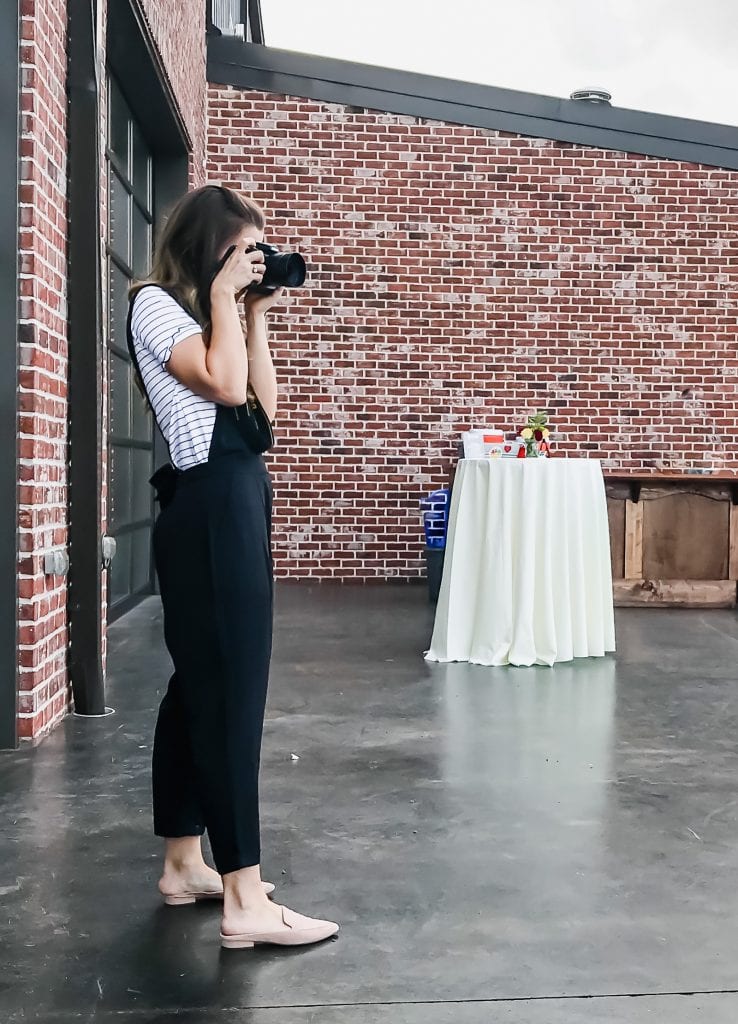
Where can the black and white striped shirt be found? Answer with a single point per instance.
(186, 420)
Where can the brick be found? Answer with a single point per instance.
(580, 263)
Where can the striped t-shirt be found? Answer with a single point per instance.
(186, 420)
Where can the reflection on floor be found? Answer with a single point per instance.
(497, 844)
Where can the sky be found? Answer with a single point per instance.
(675, 57)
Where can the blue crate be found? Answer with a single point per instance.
(435, 517)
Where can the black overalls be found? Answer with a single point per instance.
(212, 549)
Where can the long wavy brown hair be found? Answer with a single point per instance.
(196, 231)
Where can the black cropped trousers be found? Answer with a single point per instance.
(212, 548)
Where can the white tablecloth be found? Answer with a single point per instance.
(527, 577)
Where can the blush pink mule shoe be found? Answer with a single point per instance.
(296, 930)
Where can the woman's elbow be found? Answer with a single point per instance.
(231, 394)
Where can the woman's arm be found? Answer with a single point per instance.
(262, 375)
(220, 370)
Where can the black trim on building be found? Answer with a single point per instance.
(85, 364)
(134, 59)
(247, 66)
(9, 155)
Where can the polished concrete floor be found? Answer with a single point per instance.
(528, 846)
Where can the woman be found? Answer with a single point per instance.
(212, 548)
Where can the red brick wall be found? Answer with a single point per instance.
(460, 277)
(179, 29)
(43, 365)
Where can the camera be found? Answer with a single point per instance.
(283, 269)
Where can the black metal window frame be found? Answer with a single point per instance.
(141, 200)
(134, 63)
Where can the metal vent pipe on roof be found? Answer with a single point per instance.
(592, 95)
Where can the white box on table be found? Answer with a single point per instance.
(488, 443)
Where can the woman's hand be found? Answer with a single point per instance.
(243, 268)
(259, 304)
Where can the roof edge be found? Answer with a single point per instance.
(251, 66)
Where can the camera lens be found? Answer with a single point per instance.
(281, 269)
(285, 270)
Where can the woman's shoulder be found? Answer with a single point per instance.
(152, 301)
(148, 294)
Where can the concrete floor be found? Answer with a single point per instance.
(528, 846)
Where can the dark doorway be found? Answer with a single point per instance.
(131, 436)
(147, 154)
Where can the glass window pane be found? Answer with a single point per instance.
(141, 560)
(118, 141)
(141, 169)
(120, 388)
(120, 486)
(142, 490)
(120, 230)
(141, 244)
(118, 305)
(120, 570)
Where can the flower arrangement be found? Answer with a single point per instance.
(535, 434)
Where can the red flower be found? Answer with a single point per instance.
(538, 435)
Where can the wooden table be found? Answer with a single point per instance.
(673, 538)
